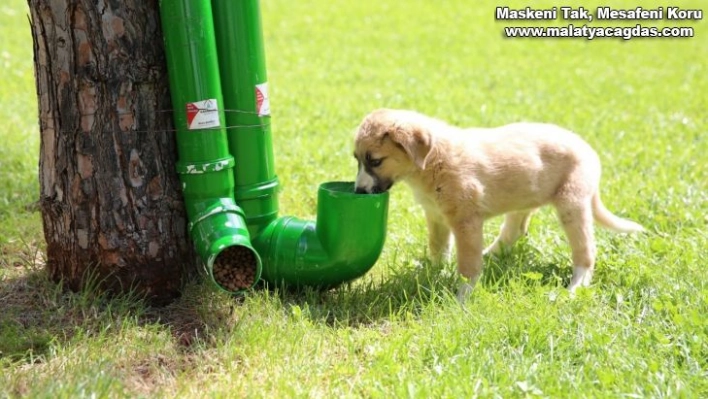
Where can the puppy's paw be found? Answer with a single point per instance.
(582, 276)
(496, 249)
(439, 259)
(464, 290)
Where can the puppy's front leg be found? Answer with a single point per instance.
(469, 242)
(438, 239)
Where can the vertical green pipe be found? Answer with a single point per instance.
(245, 86)
(347, 238)
(205, 164)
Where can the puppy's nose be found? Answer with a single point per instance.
(359, 190)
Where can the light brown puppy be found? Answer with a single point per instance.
(462, 177)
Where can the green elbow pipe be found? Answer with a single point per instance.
(206, 167)
(343, 244)
(347, 238)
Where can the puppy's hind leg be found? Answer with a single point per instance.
(438, 239)
(516, 225)
(577, 222)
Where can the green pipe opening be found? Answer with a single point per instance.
(206, 167)
(347, 238)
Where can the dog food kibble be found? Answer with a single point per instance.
(235, 268)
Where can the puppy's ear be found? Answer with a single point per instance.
(417, 142)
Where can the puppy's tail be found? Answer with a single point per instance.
(611, 221)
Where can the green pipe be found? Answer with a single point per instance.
(245, 85)
(347, 238)
(206, 167)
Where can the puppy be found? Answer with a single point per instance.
(462, 177)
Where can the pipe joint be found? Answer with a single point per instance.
(260, 203)
(223, 243)
(195, 168)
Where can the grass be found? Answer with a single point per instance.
(640, 331)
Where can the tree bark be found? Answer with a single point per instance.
(110, 198)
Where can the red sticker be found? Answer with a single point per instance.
(192, 111)
(203, 114)
(262, 100)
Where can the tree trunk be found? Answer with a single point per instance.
(111, 203)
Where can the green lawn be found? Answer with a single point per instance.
(641, 330)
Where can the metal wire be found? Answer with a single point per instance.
(172, 130)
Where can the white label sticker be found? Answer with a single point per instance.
(203, 114)
(262, 99)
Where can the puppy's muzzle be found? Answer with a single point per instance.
(370, 183)
(377, 188)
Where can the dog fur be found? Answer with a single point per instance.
(462, 177)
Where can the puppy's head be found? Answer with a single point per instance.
(389, 146)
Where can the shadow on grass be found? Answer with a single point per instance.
(42, 323)
(412, 286)
(38, 313)
(200, 315)
(525, 262)
(366, 301)
(27, 327)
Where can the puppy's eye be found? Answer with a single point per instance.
(375, 162)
